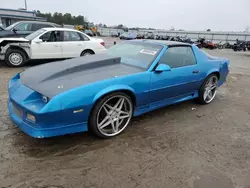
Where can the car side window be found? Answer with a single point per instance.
(83, 37)
(51, 36)
(23, 27)
(37, 26)
(71, 36)
(178, 56)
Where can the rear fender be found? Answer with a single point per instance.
(214, 70)
(110, 90)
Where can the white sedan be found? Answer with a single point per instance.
(49, 43)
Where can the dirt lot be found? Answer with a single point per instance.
(185, 145)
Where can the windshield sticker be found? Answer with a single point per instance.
(149, 52)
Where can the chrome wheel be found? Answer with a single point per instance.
(114, 115)
(15, 59)
(210, 89)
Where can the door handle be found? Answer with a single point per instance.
(196, 71)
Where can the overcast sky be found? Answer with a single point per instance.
(218, 15)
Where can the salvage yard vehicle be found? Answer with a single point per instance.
(24, 28)
(49, 43)
(103, 92)
(240, 45)
(128, 36)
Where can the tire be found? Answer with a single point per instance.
(87, 53)
(102, 110)
(15, 58)
(208, 97)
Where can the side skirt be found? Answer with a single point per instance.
(165, 102)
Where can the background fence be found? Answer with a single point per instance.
(193, 35)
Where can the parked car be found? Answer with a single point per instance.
(248, 45)
(24, 28)
(49, 43)
(149, 35)
(140, 36)
(128, 36)
(114, 34)
(103, 92)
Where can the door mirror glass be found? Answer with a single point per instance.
(162, 67)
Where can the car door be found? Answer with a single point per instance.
(47, 46)
(72, 45)
(183, 78)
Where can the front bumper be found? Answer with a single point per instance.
(35, 131)
(2, 56)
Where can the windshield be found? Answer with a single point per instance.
(137, 54)
(35, 34)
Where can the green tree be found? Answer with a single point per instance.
(60, 18)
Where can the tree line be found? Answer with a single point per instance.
(60, 18)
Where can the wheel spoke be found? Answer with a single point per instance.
(124, 115)
(113, 127)
(213, 86)
(118, 124)
(205, 95)
(106, 109)
(103, 125)
(119, 104)
(210, 94)
(107, 106)
(210, 82)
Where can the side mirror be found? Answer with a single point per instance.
(38, 41)
(162, 67)
(14, 30)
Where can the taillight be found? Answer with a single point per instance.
(102, 43)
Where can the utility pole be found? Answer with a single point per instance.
(25, 4)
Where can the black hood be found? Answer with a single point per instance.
(53, 78)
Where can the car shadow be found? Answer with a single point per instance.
(84, 142)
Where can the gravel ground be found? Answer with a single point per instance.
(185, 145)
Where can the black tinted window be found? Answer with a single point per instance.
(178, 57)
(51, 36)
(37, 26)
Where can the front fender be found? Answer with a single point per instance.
(112, 89)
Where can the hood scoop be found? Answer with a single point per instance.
(50, 71)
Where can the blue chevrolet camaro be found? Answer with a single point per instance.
(103, 92)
